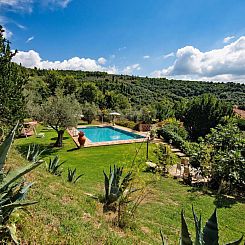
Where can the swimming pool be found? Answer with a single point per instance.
(106, 134)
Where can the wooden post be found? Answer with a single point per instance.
(147, 149)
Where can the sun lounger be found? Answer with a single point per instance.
(40, 135)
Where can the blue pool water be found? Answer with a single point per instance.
(101, 134)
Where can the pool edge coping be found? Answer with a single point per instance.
(88, 143)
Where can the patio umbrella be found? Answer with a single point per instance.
(114, 114)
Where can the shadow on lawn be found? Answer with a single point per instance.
(55, 138)
(221, 200)
(73, 149)
(48, 149)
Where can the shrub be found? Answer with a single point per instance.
(200, 155)
(127, 123)
(221, 156)
(172, 137)
(180, 131)
(241, 107)
(165, 158)
(174, 125)
(241, 123)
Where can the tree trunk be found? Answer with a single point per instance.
(59, 141)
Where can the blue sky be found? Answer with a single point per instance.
(173, 38)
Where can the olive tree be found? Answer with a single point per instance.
(60, 112)
(90, 111)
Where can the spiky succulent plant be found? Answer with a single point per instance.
(13, 190)
(116, 184)
(71, 176)
(209, 235)
(53, 166)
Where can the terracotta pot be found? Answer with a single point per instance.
(81, 139)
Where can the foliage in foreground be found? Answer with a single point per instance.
(209, 235)
(13, 190)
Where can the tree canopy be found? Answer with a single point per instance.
(203, 113)
(12, 81)
(60, 112)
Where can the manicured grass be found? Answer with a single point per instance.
(65, 215)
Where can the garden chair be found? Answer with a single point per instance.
(38, 135)
(186, 173)
(178, 168)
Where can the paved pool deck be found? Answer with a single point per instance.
(73, 132)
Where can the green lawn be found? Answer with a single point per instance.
(65, 215)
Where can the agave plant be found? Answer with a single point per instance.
(115, 184)
(12, 191)
(34, 153)
(71, 177)
(54, 166)
(209, 234)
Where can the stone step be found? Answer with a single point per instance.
(180, 154)
(175, 150)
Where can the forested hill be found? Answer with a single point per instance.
(143, 90)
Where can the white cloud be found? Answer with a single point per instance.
(228, 39)
(14, 2)
(102, 60)
(29, 59)
(20, 26)
(130, 69)
(32, 59)
(29, 39)
(7, 33)
(166, 56)
(27, 5)
(15, 5)
(146, 57)
(224, 64)
(4, 20)
(53, 3)
(64, 3)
